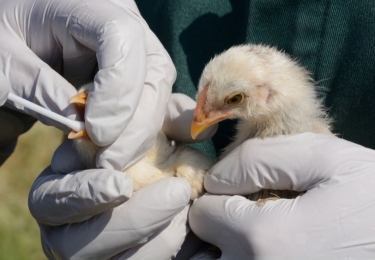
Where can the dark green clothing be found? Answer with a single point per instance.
(334, 39)
(12, 125)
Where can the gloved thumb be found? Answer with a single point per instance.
(224, 221)
(283, 163)
(241, 229)
(57, 199)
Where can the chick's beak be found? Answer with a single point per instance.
(198, 124)
(79, 101)
(202, 120)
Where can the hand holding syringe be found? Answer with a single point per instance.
(74, 125)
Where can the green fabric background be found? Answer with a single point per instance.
(333, 39)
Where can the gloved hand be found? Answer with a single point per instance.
(333, 220)
(42, 39)
(88, 214)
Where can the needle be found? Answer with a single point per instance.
(74, 125)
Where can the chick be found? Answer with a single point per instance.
(266, 90)
(165, 159)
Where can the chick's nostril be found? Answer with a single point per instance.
(200, 117)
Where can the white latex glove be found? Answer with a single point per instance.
(88, 214)
(156, 214)
(42, 39)
(333, 220)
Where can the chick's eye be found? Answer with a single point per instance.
(235, 99)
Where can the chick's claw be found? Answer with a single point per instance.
(261, 202)
(81, 134)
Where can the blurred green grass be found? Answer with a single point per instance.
(19, 233)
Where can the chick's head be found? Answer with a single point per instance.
(249, 82)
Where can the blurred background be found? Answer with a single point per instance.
(19, 233)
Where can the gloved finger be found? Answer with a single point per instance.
(178, 118)
(57, 199)
(211, 218)
(128, 225)
(4, 88)
(164, 244)
(118, 38)
(34, 80)
(80, 59)
(79, 66)
(192, 247)
(66, 159)
(327, 222)
(241, 229)
(284, 163)
(148, 118)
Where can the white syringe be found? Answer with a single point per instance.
(74, 125)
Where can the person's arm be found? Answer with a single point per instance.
(334, 219)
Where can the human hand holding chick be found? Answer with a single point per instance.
(47, 47)
(78, 210)
(334, 219)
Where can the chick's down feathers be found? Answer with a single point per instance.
(165, 159)
(270, 94)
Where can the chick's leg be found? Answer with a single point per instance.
(194, 178)
(192, 166)
(79, 102)
(263, 196)
(261, 202)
